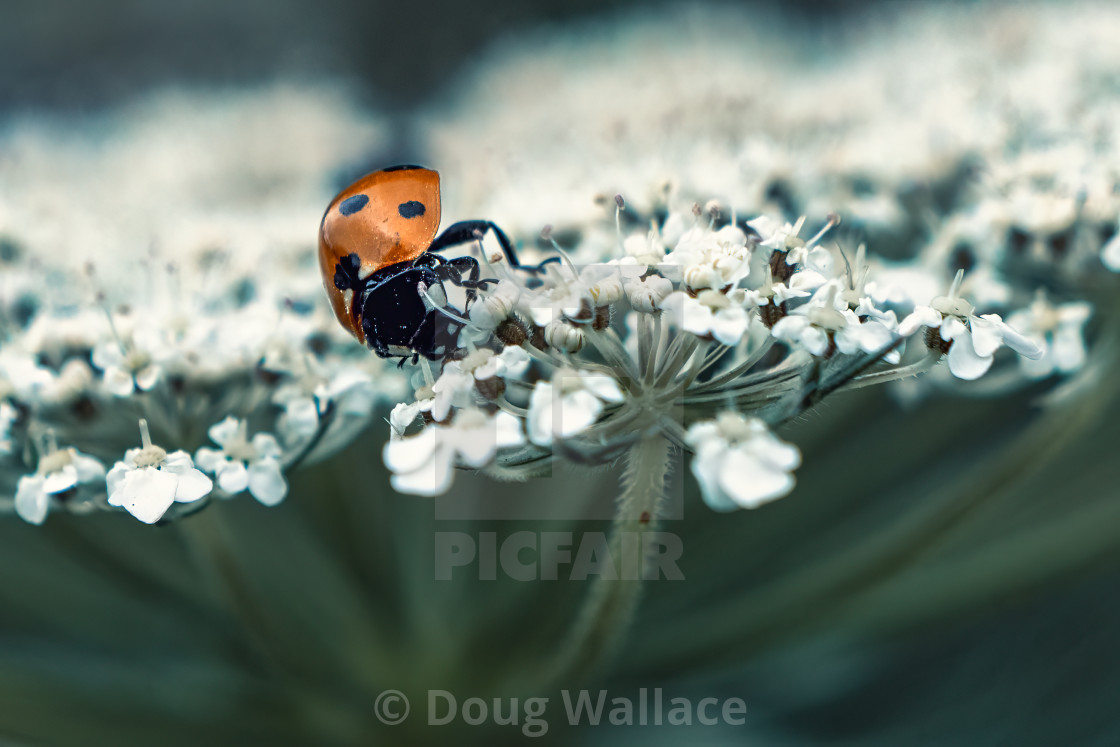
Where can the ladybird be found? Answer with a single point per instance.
(379, 256)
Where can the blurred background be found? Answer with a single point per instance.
(947, 578)
(72, 54)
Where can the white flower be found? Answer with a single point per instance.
(704, 258)
(149, 480)
(571, 296)
(512, 361)
(646, 293)
(798, 251)
(826, 318)
(973, 340)
(644, 249)
(710, 314)
(243, 464)
(29, 381)
(769, 292)
(453, 388)
(493, 309)
(739, 463)
(422, 464)
(59, 471)
(580, 401)
(126, 369)
(1058, 330)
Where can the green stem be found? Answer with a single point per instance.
(610, 603)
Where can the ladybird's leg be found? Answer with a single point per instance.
(466, 231)
(453, 271)
(346, 273)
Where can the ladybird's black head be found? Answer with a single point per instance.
(402, 167)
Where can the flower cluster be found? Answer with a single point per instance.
(705, 330)
(184, 295)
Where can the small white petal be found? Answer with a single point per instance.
(233, 477)
(729, 325)
(225, 431)
(408, 454)
(1068, 349)
(964, 363)
(987, 334)
(60, 480)
(952, 328)
(210, 460)
(32, 502)
(301, 417)
(266, 482)
(146, 493)
(922, 316)
(874, 336)
(115, 476)
(433, 477)
(118, 382)
(192, 483)
(814, 340)
(1013, 339)
(509, 433)
(89, 468)
(107, 355)
(147, 377)
(266, 446)
(750, 481)
(1110, 254)
(403, 415)
(539, 420)
(789, 328)
(475, 446)
(602, 386)
(578, 412)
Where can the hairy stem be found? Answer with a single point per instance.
(609, 605)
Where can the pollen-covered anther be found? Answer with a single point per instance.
(602, 318)
(564, 336)
(780, 270)
(934, 341)
(772, 313)
(512, 331)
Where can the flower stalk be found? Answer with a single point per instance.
(610, 603)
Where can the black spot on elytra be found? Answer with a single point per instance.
(351, 205)
(411, 209)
